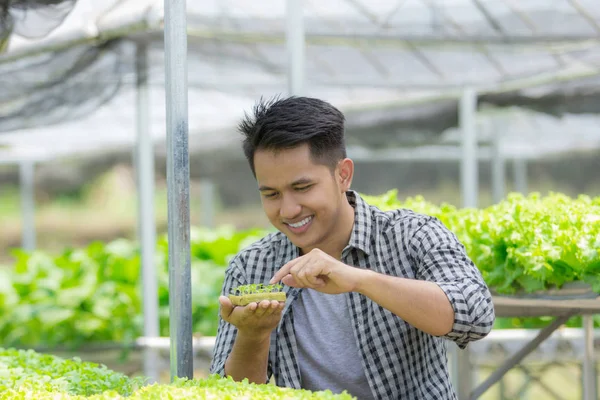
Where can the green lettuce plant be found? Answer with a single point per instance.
(30, 375)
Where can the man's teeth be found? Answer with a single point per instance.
(301, 223)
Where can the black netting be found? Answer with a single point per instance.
(53, 87)
(350, 60)
(31, 18)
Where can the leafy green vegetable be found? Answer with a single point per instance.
(523, 244)
(27, 375)
(256, 288)
(31, 371)
(94, 294)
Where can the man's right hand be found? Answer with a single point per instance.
(254, 319)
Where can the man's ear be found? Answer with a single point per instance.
(345, 173)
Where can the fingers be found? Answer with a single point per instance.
(285, 270)
(305, 274)
(266, 308)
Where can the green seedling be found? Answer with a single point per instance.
(254, 293)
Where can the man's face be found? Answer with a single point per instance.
(301, 199)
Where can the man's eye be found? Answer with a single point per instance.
(270, 195)
(302, 188)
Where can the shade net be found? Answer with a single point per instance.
(395, 67)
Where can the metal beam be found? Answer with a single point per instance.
(178, 176)
(468, 125)
(517, 357)
(590, 384)
(585, 14)
(146, 218)
(520, 175)
(27, 186)
(498, 167)
(295, 42)
(488, 17)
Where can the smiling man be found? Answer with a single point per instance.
(372, 296)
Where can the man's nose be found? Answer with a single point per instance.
(289, 207)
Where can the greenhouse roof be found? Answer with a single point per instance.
(396, 68)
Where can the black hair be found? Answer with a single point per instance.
(279, 124)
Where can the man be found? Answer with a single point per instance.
(372, 296)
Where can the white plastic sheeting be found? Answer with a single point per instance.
(375, 55)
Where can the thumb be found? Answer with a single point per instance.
(226, 306)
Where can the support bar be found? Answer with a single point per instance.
(27, 184)
(178, 182)
(519, 355)
(590, 384)
(468, 171)
(295, 47)
(146, 218)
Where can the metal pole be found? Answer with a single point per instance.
(520, 175)
(295, 47)
(147, 223)
(207, 201)
(498, 177)
(467, 121)
(27, 183)
(590, 388)
(178, 183)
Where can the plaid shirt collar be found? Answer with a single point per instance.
(361, 232)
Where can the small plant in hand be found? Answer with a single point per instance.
(254, 293)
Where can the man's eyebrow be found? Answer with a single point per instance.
(301, 181)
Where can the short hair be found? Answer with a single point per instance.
(279, 124)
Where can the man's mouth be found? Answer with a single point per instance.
(301, 223)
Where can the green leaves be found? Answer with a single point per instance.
(526, 244)
(27, 375)
(26, 371)
(256, 288)
(94, 294)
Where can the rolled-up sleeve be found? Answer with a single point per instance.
(226, 332)
(441, 258)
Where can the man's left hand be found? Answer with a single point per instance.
(318, 270)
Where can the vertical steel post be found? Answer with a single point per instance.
(520, 175)
(295, 47)
(207, 201)
(590, 384)
(146, 219)
(469, 187)
(467, 121)
(498, 167)
(178, 177)
(27, 186)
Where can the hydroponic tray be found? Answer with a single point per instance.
(573, 298)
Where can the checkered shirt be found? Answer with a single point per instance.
(400, 361)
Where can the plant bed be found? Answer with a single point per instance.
(25, 374)
(255, 293)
